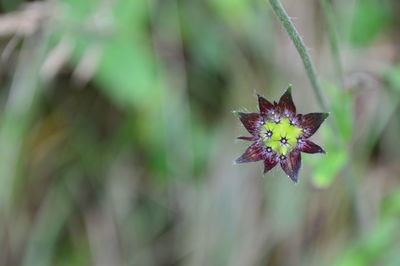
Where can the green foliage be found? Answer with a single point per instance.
(379, 241)
(371, 18)
(371, 249)
(117, 138)
(327, 167)
(335, 135)
(393, 76)
(342, 107)
(126, 69)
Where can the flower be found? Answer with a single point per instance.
(280, 134)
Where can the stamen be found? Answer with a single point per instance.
(282, 137)
(282, 157)
(269, 149)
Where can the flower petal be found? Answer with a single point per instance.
(254, 152)
(308, 146)
(291, 165)
(286, 105)
(311, 122)
(264, 105)
(252, 138)
(251, 121)
(270, 162)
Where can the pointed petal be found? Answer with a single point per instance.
(264, 105)
(311, 122)
(291, 165)
(270, 162)
(286, 104)
(308, 146)
(251, 121)
(295, 120)
(255, 152)
(252, 138)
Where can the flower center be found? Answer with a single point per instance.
(280, 135)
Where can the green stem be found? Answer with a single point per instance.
(298, 42)
(327, 9)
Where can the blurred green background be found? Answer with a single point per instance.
(117, 137)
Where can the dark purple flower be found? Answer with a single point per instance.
(280, 134)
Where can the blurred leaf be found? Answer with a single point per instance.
(391, 205)
(10, 5)
(326, 169)
(55, 211)
(370, 19)
(233, 11)
(381, 244)
(203, 142)
(370, 249)
(115, 38)
(393, 77)
(126, 68)
(341, 105)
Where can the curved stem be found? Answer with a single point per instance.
(298, 42)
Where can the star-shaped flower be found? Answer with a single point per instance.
(280, 134)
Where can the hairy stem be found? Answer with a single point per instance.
(298, 42)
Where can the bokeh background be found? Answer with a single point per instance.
(117, 137)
